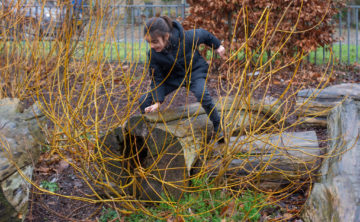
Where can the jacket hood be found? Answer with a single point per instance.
(176, 33)
(178, 26)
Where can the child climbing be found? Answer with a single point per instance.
(176, 62)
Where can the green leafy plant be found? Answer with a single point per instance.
(208, 204)
(50, 186)
(45, 148)
(108, 214)
(249, 205)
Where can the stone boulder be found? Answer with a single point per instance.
(314, 105)
(336, 197)
(21, 138)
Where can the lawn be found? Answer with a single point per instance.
(121, 51)
(110, 51)
(340, 54)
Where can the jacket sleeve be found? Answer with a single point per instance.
(157, 81)
(202, 36)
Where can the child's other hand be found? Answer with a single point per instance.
(221, 52)
(152, 108)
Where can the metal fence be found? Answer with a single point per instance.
(121, 30)
(346, 48)
(118, 28)
(124, 29)
(129, 33)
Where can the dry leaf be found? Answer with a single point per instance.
(223, 210)
(170, 219)
(287, 216)
(164, 213)
(62, 165)
(179, 219)
(314, 75)
(51, 203)
(43, 170)
(276, 82)
(228, 210)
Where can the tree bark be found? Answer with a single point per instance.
(159, 149)
(278, 159)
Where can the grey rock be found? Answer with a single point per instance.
(20, 137)
(336, 197)
(314, 105)
(335, 92)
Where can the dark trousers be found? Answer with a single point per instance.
(202, 95)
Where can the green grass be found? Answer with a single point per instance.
(119, 51)
(109, 51)
(323, 56)
(122, 51)
(206, 205)
(26, 47)
(108, 214)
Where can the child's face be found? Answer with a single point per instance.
(157, 43)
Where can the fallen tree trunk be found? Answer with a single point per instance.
(158, 150)
(146, 159)
(277, 159)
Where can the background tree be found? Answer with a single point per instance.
(308, 22)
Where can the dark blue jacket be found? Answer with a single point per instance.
(179, 59)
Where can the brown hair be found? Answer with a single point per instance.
(158, 26)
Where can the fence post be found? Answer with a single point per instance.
(132, 34)
(340, 34)
(125, 34)
(140, 34)
(129, 10)
(348, 35)
(357, 34)
(148, 9)
(183, 9)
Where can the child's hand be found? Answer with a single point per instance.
(221, 52)
(152, 108)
